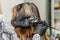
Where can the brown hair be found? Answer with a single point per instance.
(25, 9)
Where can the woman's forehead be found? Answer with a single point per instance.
(28, 9)
(25, 10)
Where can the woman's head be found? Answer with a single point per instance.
(27, 9)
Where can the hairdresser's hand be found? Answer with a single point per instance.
(40, 29)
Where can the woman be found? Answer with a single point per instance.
(21, 10)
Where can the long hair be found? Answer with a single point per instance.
(26, 9)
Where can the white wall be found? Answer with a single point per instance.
(7, 7)
(42, 6)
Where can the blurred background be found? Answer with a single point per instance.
(49, 11)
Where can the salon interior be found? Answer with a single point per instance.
(29, 20)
